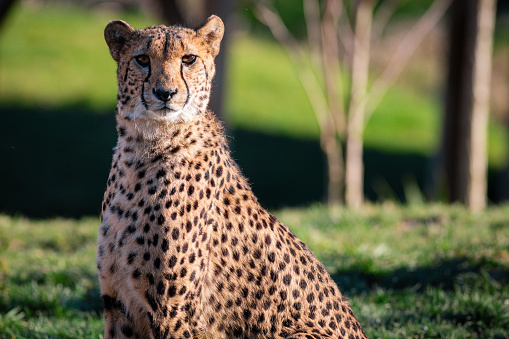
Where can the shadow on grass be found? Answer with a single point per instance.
(56, 162)
(443, 274)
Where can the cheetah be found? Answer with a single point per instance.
(184, 248)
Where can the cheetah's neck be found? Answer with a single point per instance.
(146, 138)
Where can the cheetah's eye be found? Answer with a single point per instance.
(142, 60)
(189, 59)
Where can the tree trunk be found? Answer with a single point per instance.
(467, 104)
(222, 9)
(335, 173)
(5, 6)
(354, 174)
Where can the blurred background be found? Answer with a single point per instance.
(292, 78)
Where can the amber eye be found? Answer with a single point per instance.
(189, 59)
(142, 60)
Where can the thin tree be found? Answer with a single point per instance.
(342, 114)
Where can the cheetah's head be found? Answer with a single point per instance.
(164, 73)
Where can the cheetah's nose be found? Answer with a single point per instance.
(163, 94)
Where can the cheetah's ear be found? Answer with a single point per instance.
(212, 30)
(116, 34)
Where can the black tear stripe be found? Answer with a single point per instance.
(185, 83)
(110, 303)
(147, 80)
(143, 96)
(126, 72)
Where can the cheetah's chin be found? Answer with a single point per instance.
(172, 115)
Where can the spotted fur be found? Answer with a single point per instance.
(184, 249)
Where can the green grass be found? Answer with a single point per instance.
(422, 271)
(56, 58)
(48, 284)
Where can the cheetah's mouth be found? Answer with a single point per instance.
(165, 108)
(165, 111)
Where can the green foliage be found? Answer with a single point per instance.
(422, 271)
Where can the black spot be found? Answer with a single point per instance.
(303, 284)
(157, 263)
(160, 173)
(150, 278)
(111, 303)
(165, 245)
(175, 233)
(247, 314)
(151, 301)
(131, 257)
(127, 330)
(160, 220)
(161, 288)
(219, 171)
(172, 291)
(163, 193)
(146, 228)
(237, 332)
(155, 239)
(157, 158)
(287, 279)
